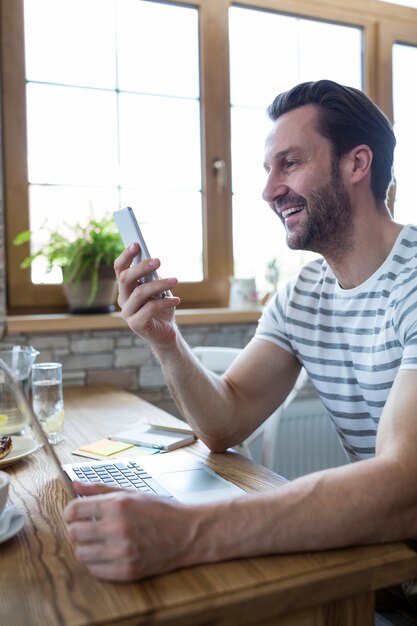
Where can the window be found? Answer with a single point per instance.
(161, 105)
(114, 117)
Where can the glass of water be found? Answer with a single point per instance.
(47, 399)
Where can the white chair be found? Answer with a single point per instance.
(260, 445)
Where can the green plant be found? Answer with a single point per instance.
(81, 253)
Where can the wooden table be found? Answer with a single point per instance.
(41, 582)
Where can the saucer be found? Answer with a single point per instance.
(17, 523)
(22, 446)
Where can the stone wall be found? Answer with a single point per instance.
(118, 357)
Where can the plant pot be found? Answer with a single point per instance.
(78, 294)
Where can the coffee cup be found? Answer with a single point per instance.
(4, 490)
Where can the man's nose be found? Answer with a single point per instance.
(275, 188)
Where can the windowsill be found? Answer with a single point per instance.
(64, 322)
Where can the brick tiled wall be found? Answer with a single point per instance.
(120, 358)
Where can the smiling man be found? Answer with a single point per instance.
(349, 318)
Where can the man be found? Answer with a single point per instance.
(349, 318)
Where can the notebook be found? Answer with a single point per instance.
(169, 475)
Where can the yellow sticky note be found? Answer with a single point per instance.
(106, 447)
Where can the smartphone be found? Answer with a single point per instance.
(130, 232)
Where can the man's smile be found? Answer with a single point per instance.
(294, 209)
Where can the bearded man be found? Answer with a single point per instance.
(349, 318)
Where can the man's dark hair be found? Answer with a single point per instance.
(347, 118)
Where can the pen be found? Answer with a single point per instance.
(172, 429)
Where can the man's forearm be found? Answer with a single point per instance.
(204, 399)
(367, 502)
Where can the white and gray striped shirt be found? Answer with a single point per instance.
(352, 342)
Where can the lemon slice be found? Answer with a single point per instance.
(3, 420)
(54, 423)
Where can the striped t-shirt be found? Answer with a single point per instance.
(352, 342)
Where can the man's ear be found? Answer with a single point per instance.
(359, 162)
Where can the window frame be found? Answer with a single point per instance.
(217, 227)
(380, 23)
(390, 34)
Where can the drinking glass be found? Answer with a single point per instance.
(47, 399)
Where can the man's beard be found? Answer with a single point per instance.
(328, 226)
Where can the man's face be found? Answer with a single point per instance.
(304, 186)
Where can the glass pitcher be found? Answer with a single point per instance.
(19, 359)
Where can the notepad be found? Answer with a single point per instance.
(106, 447)
(154, 437)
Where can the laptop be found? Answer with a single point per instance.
(170, 475)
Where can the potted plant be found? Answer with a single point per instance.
(86, 256)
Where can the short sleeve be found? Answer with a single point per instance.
(272, 324)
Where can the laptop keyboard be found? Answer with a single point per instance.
(118, 474)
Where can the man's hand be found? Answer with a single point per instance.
(124, 536)
(146, 313)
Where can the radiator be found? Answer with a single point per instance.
(305, 440)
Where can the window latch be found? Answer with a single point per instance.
(219, 168)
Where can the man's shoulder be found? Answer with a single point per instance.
(407, 244)
(402, 263)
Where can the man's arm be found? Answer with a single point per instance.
(369, 501)
(222, 410)
(121, 536)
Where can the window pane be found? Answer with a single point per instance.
(159, 142)
(71, 42)
(273, 64)
(157, 48)
(113, 118)
(265, 67)
(249, 129)
(259, 72)
(53, 207)
(343, 65)
(72, 135)
(259, 240)
(404, 62)
(172, 228)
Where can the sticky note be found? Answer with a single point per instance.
(106, 447)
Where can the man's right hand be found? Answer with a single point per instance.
(147, 314)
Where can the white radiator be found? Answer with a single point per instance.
(306, 440)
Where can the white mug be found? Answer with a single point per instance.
(243, 293)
